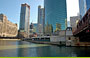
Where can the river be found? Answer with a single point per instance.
(13, 48)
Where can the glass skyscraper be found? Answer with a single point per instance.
(84, 5)
(24, 18)
(56, 13)
(82, 8)
(87, 4)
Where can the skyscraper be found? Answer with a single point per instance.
(84, 5)
(82, 8)
(56, 13)
(41, 20)
(24, 18)
(87, 4)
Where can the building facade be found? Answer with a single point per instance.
(31, 28)
(35, 25)
(24, 18)
(41, 20)
(7, 28)
(82, 8)
(84, 5)
(56, 13)
(87, 4)
(73, 22)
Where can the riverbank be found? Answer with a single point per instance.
(49, 43)
(80, 44)
(10, 39)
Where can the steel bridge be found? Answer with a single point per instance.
(83, 28)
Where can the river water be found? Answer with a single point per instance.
(9, 48)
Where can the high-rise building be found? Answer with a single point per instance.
(82, 8)
(87, 4)
(56, 13)
(24, 18)
(84, 5)
(41, 20)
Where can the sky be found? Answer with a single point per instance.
(72, 8)
(11, 8)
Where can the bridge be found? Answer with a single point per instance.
(83, 28)
(39, 38)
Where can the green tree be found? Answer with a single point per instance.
(58, 27)
(48, 29)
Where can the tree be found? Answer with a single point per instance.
(58, 27)
(48, 29)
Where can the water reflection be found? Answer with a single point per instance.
(27, 49)
(26, 52)
(6, 48)
(82, 51)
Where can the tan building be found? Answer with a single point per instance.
(7, 28)
(73, 22)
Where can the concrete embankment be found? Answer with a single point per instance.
(10, 39)
(51, 43)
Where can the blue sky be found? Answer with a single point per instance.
(11, 8)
